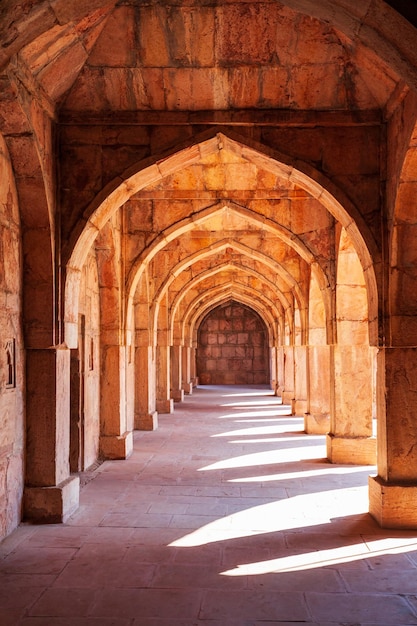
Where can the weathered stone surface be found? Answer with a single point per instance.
(393, 505)
(351, 450)
(226, 354)
(52, 505)
(161, 161)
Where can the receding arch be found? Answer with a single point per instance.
(227, 266)
(238, 247)
(119, 191)
(232, 346)
(200, 305)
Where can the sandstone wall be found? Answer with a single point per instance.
(12, 359)
(232, 347)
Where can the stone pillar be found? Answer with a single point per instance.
(146, 416)
(393, 492)
(116, 442)
(280, 373)
(288, 376)
(300, 380)
(350, 439)
(317, 418)
(164, 402)
(51, 494)
(187, 385)
(273, 367)
(177, 393)
(193, 366)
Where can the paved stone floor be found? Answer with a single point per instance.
(227, 515)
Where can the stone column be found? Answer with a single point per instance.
(187, 385)
(116, 442)
(280, 373)
(288, 376)
(51, 494)
(300, 380)
(393, 492)
(146, 416)
(177, 393)
(317, 418)
(350, 439)
(164, 402)
(193, 369)
(273, 367)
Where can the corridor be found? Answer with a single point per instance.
(227, 515)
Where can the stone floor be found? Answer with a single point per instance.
(227, 515)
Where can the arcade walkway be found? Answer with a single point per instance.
(227, 515)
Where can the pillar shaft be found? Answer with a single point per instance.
(116, 441)
(317, 418)
(350, 439)
(393, 493)
(164, 403)
(186, 375)
(177, 393)
(288, 375)
(51, 494)
(273, 367)
(300, 380)
(193, 366)
(146, 417)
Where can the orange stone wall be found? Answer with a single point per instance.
(11, 341)
(232, 347)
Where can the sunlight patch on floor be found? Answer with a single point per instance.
(279, 411)
(269, 457)
(347, 469)
(320, 558)
(299, 511)
(273, 429)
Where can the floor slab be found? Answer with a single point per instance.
(227, 515)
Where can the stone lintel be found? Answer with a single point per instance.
(116, 447)
(317, 423)
(393, 505)
(351, 450)
(188, 388)
(165, 406)
(52, 505)
(177, 395)
(148, 421)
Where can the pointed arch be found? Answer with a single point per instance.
(137, 178)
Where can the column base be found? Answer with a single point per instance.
(391, 505)
(147, 422)
(194, 381)
(116, 447)
(165, 406)
(177, 395)
(52, 505)
(279, 392)
(316, 423)
(300, 407)
(188, 388)
(351, 450)
(288, 398)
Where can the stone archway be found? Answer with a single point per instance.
(232, 347)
